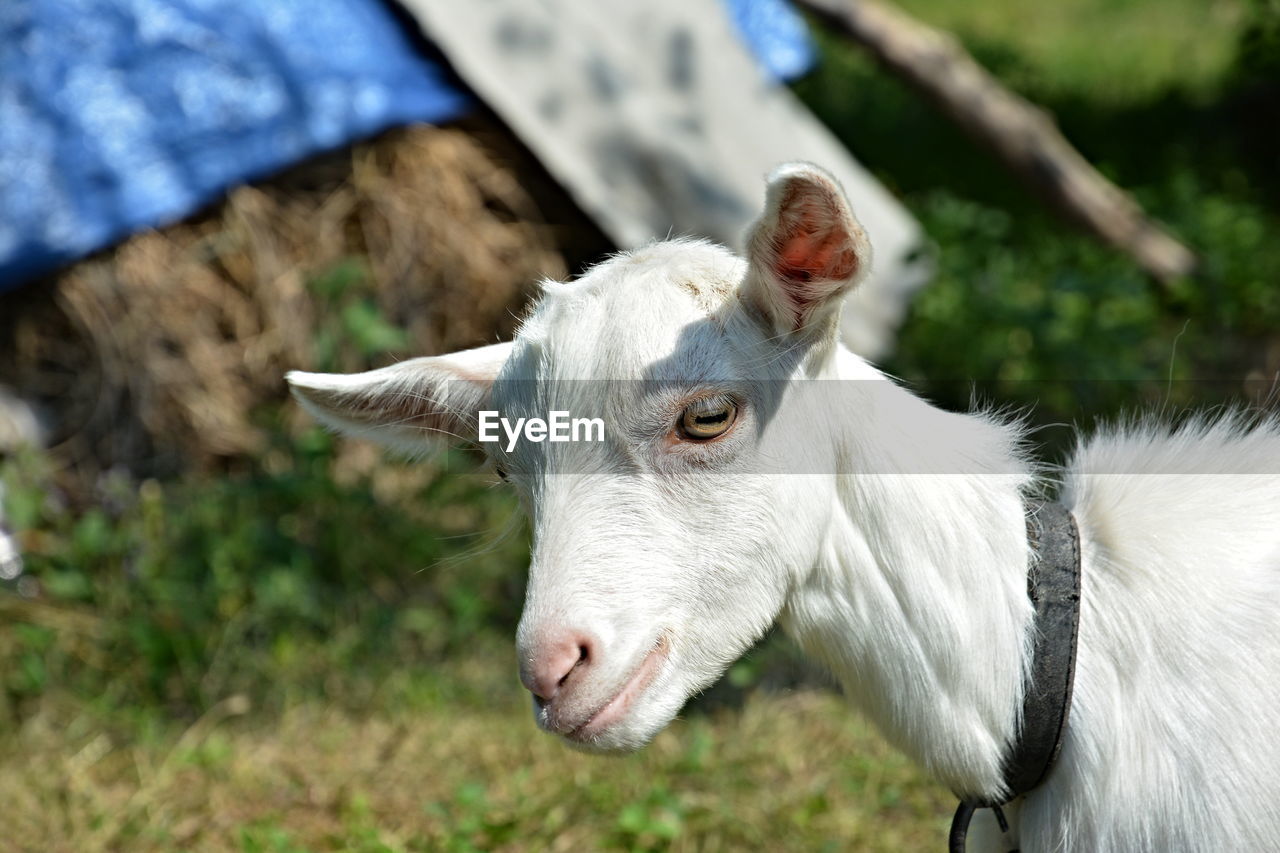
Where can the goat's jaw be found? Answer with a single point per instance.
(611, 727)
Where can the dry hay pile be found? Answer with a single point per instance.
(157, 354)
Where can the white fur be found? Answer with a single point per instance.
(888, 538)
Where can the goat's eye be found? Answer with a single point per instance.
(502, 473)
(708, 418)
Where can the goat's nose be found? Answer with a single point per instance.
(553, 660)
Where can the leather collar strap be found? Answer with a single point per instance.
(1053, 585)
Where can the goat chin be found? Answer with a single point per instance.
(626, 735)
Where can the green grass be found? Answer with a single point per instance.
(785, 772)
(313, 652)
(1114, 51)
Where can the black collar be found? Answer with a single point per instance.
(1053, 585)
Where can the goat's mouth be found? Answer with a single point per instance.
(616, 709)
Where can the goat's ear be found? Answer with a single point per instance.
(805, 252)
(407, 404)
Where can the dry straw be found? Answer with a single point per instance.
(156, 354)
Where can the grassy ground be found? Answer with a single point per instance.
(313, 652)
(1115, 51)
(231, 666)
(791, 771)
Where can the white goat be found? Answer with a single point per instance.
(888, 538)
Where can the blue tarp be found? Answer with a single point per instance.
(117, 115)
(776, 34)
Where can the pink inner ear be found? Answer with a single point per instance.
(808, 256)
(812, 243)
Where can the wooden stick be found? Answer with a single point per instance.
(1021, 134)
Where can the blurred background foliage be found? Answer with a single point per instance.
(312, 570)
(1174, 102)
